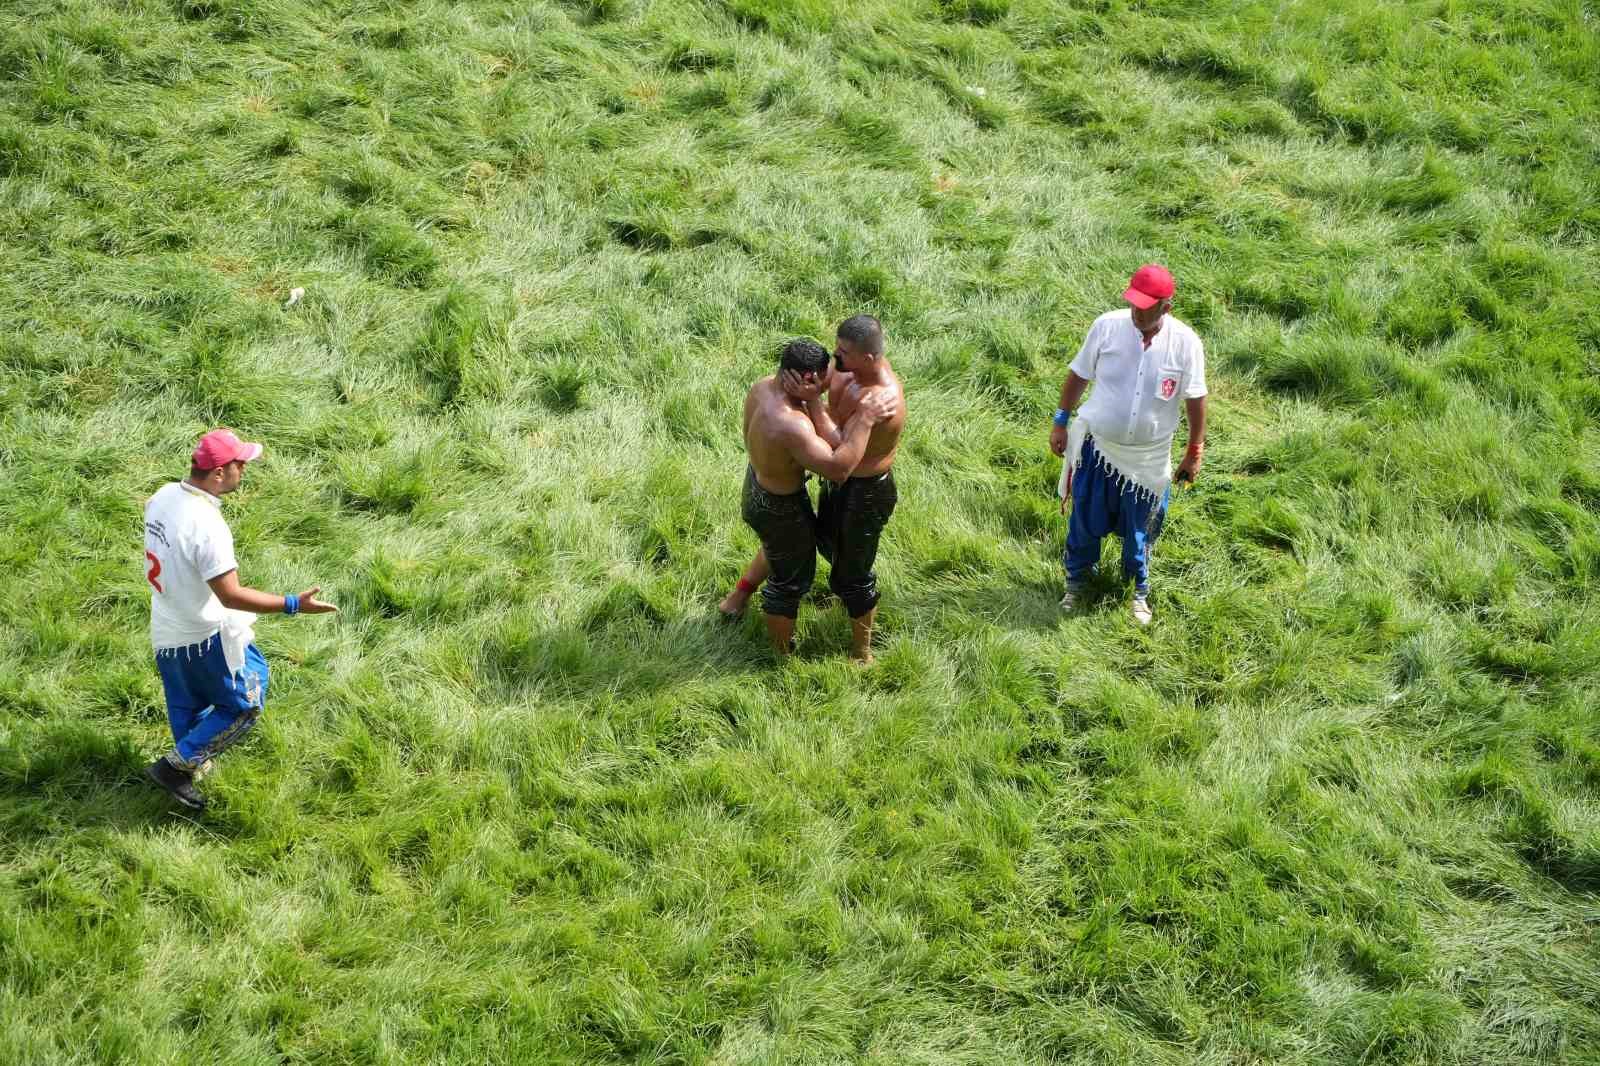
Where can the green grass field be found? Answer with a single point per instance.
(525, 801)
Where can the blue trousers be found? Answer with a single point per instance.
(1102, 504)
(209, 707)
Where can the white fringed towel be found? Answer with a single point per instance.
(1147, 467)
(238, 630)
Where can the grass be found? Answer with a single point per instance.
(525, 801)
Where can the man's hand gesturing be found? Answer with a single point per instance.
(309, 604)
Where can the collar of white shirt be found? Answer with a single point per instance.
(195, 490)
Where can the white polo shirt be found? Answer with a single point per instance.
(1137, 390)
(186, 544)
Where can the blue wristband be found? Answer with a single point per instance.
(1063, 416)
(291, 604)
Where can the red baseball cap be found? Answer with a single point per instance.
(221, 447)
(1150, 285)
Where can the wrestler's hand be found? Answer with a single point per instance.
(1058, 440)
(878, 405)
(798, 386)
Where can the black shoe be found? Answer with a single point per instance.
(178, 783)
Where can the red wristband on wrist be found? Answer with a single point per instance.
(745, 586)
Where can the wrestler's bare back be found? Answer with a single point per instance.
(844, 396)
(770, 422)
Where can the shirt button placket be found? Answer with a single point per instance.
(1133, 412)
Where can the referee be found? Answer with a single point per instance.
(200, 615)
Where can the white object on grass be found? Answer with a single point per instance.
(294, 296)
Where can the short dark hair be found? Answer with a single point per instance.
(803, 355)
(197, 471)
(863, 332)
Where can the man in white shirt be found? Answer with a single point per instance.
(214, 676)
(1117, 456)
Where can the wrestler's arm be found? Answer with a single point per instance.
(834, 462)
(809, 393)
(892, 393)
(823, 422)
(839, 383)
(751, 399)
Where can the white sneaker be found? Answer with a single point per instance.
(1141, 610)
(1069, 601)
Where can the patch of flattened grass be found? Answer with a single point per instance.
(390, 483)
(974, 12)
(455, 326)
(790, 19)
(391, 249)
(1197, 54)
(874, 138)
(1433, 184)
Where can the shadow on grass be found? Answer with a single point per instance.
(63, 778)
(1007, 604)
(824, 627)
(1549, 849)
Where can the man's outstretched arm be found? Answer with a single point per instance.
(838, 462)
(244, 598)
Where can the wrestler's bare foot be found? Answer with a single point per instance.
(733, 604)
(862, 658)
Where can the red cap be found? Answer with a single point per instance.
(221, 447)
(1150, 285)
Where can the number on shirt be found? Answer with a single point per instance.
(155, 571)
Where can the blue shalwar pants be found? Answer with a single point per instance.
(209, 707)
(1103, 503)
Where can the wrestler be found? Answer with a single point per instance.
(854, 509)
(784, 444)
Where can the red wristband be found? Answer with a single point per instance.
(745, 586)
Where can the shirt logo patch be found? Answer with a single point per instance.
(1169, 386)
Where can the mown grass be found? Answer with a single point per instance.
(524, 801)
